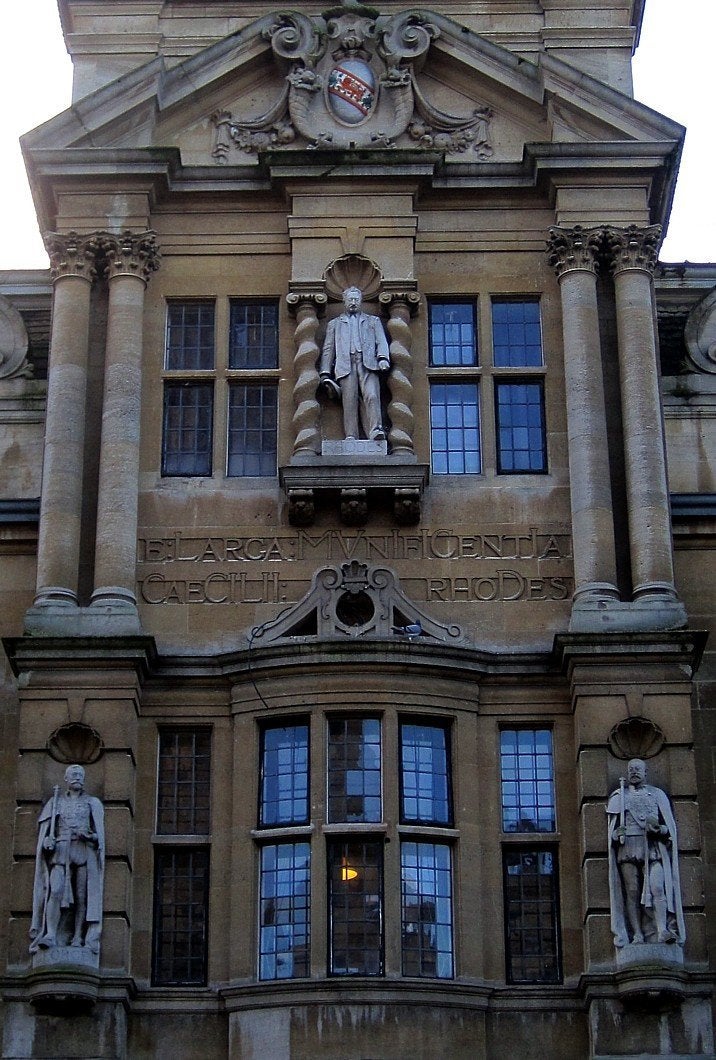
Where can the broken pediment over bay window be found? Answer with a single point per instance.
(351, 81)
(355, 600)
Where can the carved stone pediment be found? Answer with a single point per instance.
(355, 600)
(351, 82)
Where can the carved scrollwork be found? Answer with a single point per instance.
(72, 255)
(305, 306)
(401, 306)
(577, 248)
(633, 247)
(445, 132)
(700, 334)
(13, 343)
(130, 254)
(294, 36)
(406, 38)
(352, 270)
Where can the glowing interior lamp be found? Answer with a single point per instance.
(347, 872)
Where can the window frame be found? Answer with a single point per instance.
(518, 374)
(293, 841)
(446, 845)
(164, 853)
(456, 374)
(335, 842)
(446, 727)
(535, 833)
(188, 378)
(538, 850)
(263, 376)
(292, 722)
(363, 821)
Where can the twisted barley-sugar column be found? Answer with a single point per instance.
(305, 306)
(633, 258)
(130, 260)
(401, 306)
(72, 265)
(573, 255)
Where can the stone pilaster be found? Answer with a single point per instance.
(130, 261)
(573, 255)
(305, 305)
(633, 255)
(72, 263)
(401, 305)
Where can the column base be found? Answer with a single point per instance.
(102, 619)
(55, 596)
(646, 614)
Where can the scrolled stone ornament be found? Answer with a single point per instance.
(407, 37)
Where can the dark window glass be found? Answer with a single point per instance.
(425, 778)
(354, 769)
(516, 333)
(521, 442)
(184, 777)
(187, 434)
(284, 775)
(452, 334)
(454, 429)
(527, 780)
(190, 336)
(285, 911)
(253, 419)
(355, 896)
(253, 341)
(181, 894)
(531, 916)
(426, 890)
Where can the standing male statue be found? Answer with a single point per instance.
(644, 883)
(354, 352)
(69, 869)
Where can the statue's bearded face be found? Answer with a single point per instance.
(75, 777)
(352, 299)
(636, 771)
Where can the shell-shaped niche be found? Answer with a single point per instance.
(352, 270)
(636, 738)
(75, 742)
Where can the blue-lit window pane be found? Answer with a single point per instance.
(253, 335)
(452, 334)
(521, 441)
(425, 780)
(527, 780)
(253, 420)
(454, 429)
(426, 892)
(285, 911)
(190, 336)
(187, 428)
(284, 776)
(516, 333)
(354, 791)
(531, 915)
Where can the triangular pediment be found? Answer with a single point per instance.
(408, 80)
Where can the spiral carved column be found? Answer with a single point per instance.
(401, 306)
(305, 306)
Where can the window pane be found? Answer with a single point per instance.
(181, 894)
(452, 334)
(521, 441)
(285, 911)
(190, 336)
(527, 780)
(354, 792)
(531, 916)
(516, 333)
(183, 784)
(187, 431)
(355, 896)
(284, 775)
(425, 781)
(253, 339)
(426, 891)
(253, 422)
(454, 429)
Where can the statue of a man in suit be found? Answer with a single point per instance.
(354, 352)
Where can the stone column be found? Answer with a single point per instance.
(130, 261)
(573, 255)
(401, 306)
(306, 305)
(633, 257)
(72, 262)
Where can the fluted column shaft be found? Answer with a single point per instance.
(633, 257)
(72, 260)
(305, 306)
(401, 306)
(131, 259)
(573, 254)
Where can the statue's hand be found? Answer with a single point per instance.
(383, 365)
(619, 834)
(49, 843)
(90, 837)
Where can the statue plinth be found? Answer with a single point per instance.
(639, 954)
(66, 956)
(354, 447)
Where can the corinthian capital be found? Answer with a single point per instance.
(570, 249)
(131, 254)
(633, 247)
(72, 254)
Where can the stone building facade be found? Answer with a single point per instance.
(353, 707)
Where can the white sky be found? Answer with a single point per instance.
(673, 73)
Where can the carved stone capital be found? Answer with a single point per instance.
(301, 507)
(354, 506)
(574, 249)
(407, 299)
(131, 254)
(72, 254)
(632, 248)
(406, 506)
(312, 297)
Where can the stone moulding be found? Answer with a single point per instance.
(350, 82)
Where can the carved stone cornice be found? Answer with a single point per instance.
(72, 254)
(130, 254)
(574, 249)
(632, 248)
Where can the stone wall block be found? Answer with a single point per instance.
(687, 824)
(671, 712)
(115, 942)
(595, 716)
(26, 830)
(18, 941)
(115, 719)
(117, 881)
(30, 774)
(118, 775)
(696, 948)
(38, 720)
(599, 941)
(592, 772)
(681, 773)
(594, 828)
(118, 829)
(596, 884)
(22, 875)
(691, 871)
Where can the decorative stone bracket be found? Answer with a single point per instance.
(356, 488)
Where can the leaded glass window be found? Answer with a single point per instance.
(354, 778)
(181, 898)
(531, 915)
(285, 911)
(284, 775)
(355, 899)
(426, 893)
(528, 801)
(184, 782)
(425, 773)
